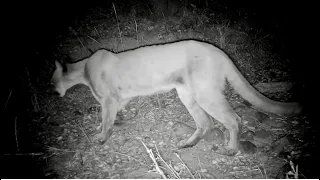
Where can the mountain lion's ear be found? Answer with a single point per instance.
(58, 65)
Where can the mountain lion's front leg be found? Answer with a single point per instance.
(109, 111)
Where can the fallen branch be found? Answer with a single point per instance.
(169, 167)
(24, 154)
(5, 106)
(57, 149)
(93, 39)
(262, 172)
(84, 131)
(149, 151)
(16, 132)
(200, 167)
(130, 157)
(184, 165)
(98, 34)
(115, 12)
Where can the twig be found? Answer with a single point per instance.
(233, 172)
(292, 167)
(93, 39)
(136, 30)
(82, 45)
(24, 154)
(34, 102)
(263, 37)
(260, 171)
(149, 151)
(264, 169)
(296, 175)
(158, 101)
(8, 100)
(115, 12)
(149, 9)
(84, 131)
(199, 175)
(295, 171)
(163, 15)
(200, 167)
(130, 157)
(76, 34)
(184, 164)
(16, 132)
(169, 167)
(98, 33)
(57, 149)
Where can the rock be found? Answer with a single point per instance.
(214, 162)
(77, 113)
(248, 135)
(247, 103)
(209, 176)
(116, 176)
(203, 170)
(262, 118)
(214, 147)
(222, 159)
(249, 119)
(263, 158)
(263, 134)
(282, 171)
(247, 147)
(178, 167)
(106, 147)
(185, 129)
(215, 135)
(280, 145)
(225, 151)
(265, 119)
(235, 168)
(161, 143)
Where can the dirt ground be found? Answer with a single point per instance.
(159, 122)
(66, 127)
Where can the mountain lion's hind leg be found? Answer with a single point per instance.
(217, 106)
(201, 118)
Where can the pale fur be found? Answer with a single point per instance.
(197, 70)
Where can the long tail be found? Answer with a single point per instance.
(259, 101)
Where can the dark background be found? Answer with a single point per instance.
(42, 23)
(37, 26)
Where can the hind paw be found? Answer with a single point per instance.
(183, 144)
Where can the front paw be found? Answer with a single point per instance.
(103, 136)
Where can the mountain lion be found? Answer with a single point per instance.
(197, 70)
